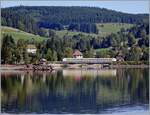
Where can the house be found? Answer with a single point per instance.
(120, 57)
(77, 54)
(42, 61)
(31, 49)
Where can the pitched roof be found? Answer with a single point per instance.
(77, 53)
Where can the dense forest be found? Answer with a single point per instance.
(33, 18)
(131, 44)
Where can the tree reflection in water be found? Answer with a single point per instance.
(73, 91)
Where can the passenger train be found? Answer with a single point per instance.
(89, 60)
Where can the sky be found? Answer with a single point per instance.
(132, 6)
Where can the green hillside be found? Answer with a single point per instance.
(72, 33)
(108, 28)
(18, 34)
(103, 28)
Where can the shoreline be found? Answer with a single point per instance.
(129, 66)
(71, 66)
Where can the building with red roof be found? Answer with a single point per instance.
(77, 54)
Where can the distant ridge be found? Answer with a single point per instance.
(31, 18)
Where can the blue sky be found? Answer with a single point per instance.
(132, 6)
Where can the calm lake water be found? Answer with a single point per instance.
(75, 91)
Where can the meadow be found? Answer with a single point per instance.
(104, 29)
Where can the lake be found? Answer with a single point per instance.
(75, 91)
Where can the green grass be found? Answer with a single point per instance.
(18, 34)
(71, 33)
(108, 28)
(104, 30)
(102, 49)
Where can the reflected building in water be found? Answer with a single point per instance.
(90, 72)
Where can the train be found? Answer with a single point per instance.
(89, 60)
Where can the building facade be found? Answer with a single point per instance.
(31, 49)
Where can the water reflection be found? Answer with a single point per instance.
(73, 91)
(90, 72)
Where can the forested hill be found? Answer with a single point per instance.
(32, 18)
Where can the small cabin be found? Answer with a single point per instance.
(31, 49)
(43, 61)
(120, 57)
(77, 54)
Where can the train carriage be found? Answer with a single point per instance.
(89, 60)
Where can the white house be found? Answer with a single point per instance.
(31, 49)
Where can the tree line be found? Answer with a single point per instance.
(132, 44)
(33, 18)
